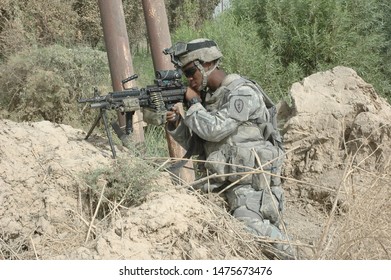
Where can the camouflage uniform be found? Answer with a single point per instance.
(228, 125)
(231, 129)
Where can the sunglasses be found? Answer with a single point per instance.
(189, 72)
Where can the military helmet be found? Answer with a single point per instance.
(204, 50)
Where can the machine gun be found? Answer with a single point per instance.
(155, 99)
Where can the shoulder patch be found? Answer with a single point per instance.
(239, 107)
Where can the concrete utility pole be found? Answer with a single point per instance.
(159, 37)
(119, 57)
(158, 33)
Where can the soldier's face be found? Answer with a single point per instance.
(193, 75)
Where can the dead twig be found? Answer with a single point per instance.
(96, 211)
(35, 251)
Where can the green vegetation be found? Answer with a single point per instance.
(45, 82)
(126, 183)
(50, 55)
(281, 42)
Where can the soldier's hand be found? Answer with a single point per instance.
(173, 115)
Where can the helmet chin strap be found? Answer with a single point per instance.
(205, 74)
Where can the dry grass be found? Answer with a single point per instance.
(358, 224)
(363, 232)
(222, 234)
(226, 233)
(68, 236)
(362, 222)
(360, 229)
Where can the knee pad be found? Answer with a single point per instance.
(267, 206)
(256, 225)
(244, 196)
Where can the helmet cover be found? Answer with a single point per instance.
(204, 50)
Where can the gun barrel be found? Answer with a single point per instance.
(91, 100)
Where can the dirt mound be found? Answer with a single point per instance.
(338, 140)
(44, 212)
(337, 121)
(337, 136)
(40, 163)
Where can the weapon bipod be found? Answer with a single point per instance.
(124, 137)
(103, 115)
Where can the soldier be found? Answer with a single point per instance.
(228, 124)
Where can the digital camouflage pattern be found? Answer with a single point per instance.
(228, 125)
(205, 54)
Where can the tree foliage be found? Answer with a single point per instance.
(27, 23)
(191, 13)
(319, 34)
(45, 83)
(77, 22)
(242, 50)
(275, 42)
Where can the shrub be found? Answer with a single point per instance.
(242, 49)
(317, 35)
(125, 183)
(45, 83)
